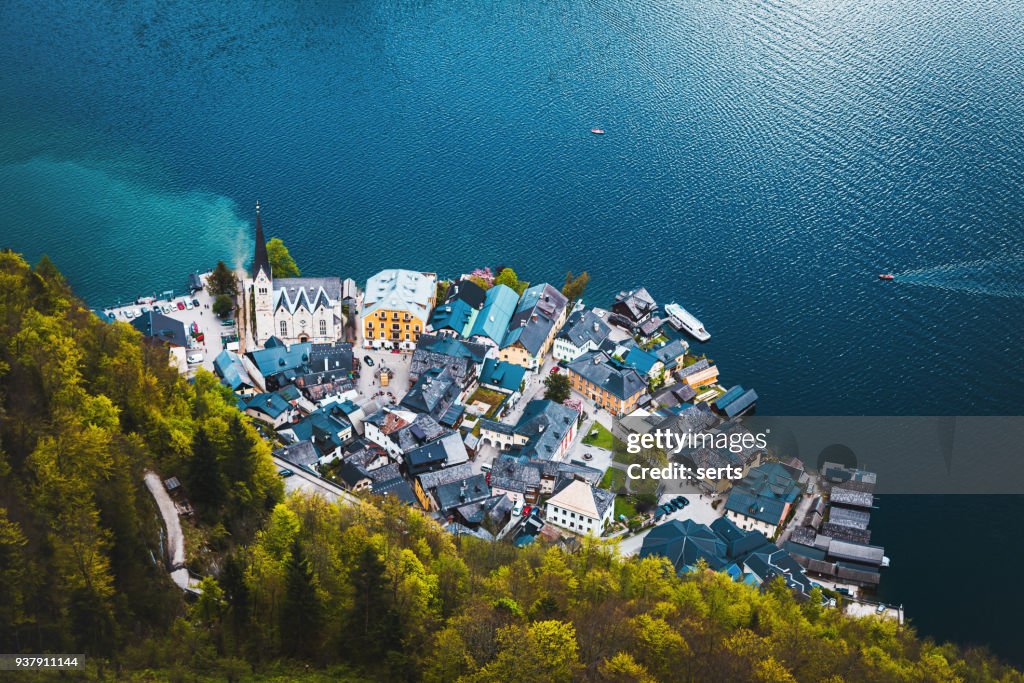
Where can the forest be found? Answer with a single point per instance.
(295, 588)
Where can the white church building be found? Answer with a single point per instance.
(295, 309)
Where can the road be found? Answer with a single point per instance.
(312, 485)
(175, 538)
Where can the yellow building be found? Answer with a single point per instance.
(615, 388)
(396, 307)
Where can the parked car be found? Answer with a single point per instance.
(188, 305)
(880, 609)
(526, 510)
(832, 602)
(680, 502)
(181, 306)
(285, 473)
(195, 302)
(554, 370)
(517, 509)
(368, 361)
(194, 358)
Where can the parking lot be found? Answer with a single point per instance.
(182, 308)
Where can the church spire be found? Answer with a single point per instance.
(260, 261)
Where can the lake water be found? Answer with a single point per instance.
(762, 162)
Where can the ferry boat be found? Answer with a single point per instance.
(685, 321)
(886, 276)
(597, 131)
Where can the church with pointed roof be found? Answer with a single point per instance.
(294, 309)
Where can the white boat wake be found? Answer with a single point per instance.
(1002, 277)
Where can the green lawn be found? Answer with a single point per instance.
(624, 506)
(613, 479)
(602, 439)
(492, 398)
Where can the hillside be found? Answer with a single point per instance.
(309, 591)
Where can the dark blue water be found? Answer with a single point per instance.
(762, 163)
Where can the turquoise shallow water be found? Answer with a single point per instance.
(762, 163)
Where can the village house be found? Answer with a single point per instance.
(538, 317)
(585, 330)
(436, 393)
(634, 307)
(396, 307)
(161, 329)
(501, 376)
(463, 359)
(457, 314)
(615, 388)
(447, 451)
(270, 409)
(581, 508)
(761, 501)
(327, 428)
(492, 322)
(354, 478)
(473, 489)
(544, 431)
(303, 454)
(671, 354)
(520, 481)
(228, 366)
(296, 309)
(745, 555)
(278, 363)
(425, 484)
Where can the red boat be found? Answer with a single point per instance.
(886, 276)
(597, 131)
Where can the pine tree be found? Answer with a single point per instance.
(373, 622)
(205, 478)
(301, 612)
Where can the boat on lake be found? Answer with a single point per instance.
(682, 319)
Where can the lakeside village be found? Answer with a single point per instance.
(503, 409)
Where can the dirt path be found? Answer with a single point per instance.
(175, 538)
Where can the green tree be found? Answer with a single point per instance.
(205, 477)
(223, 305)
(281, 262)
(441, 292)
(508, 277)
(301, 611)
(372, 620)
(575, 285)
(222, 281)
(557, 387)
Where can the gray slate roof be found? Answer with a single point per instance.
(597, 368)
(585, 326)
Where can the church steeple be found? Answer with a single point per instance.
(260, 260)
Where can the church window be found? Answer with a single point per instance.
(284, 328)
(323, 328)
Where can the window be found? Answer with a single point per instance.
(323, 328)
(284, 328)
